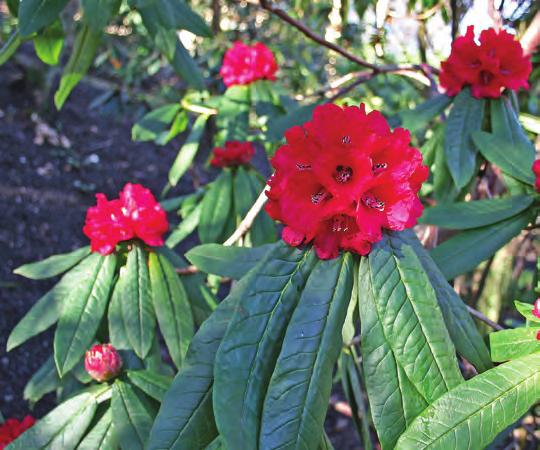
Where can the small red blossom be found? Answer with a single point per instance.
(234, 153)
(342, 178)
(135, 214)
(538, 335)
(497, 63)
(536, 308)
(244, 64)
(102, 362)
(536, 171)
(11, 429)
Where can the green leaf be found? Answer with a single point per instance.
(117, 327)
(246, 357)
(464, 251)
(53, 265)
(136, 302)
(394, 400)
(227, 261)
(45, 380)
(216, 207)
(417, 118)
(185, 228)
(131, 419)
(500, 152)
(512, 344)
(187, 153)
(465, 118)
(444, 189)
(82, 310)
(150, 382)
(37, 14)
(175, 14)
(82, 55)
(11, 45)
(102, 436)
(62, 428)
(472, 414)
(263, 229)
(463, 331)
(297, 397)
(172, 307)
(242, 193)
(155, 125)
(525, 309)
(412, 322)
(98, 13)
(298, 116)
(476, 213)
(186, 420)
(49, 43)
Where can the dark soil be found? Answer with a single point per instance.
(44, 193)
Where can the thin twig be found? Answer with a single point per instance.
(483, 318)
(189, 270)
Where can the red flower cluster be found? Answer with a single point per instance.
(342, 178)
(497, 63)
(244, 64)
(102, 362)
(234, 153)
(11, 429)
(536, 171)
(536, 308)
(135, 214)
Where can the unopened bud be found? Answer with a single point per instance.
(102, 362)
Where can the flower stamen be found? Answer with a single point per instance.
(371, 202)
(343, 174)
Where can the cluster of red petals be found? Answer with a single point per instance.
(536, 308)
(497, 63)
(343, 177)
(536, 171)
(234, 153)
(135, 214)
(11, 429)
(244, 64)
(102, 362)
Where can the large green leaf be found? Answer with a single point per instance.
(156, 125)
(150, 382)
(49, 43)
(53, 265)
(472, 414)
(98, 13)
(297, 397)
(394, 400)
(227, 261)
(171, 306)
(82, 310)
(117, 327)
(242, 193)
(42, 382)
(444, 188)
(245, 360)
(131, 419)
(185, 228)
(512, 344)
(509, 159)
(526, 309)
(463, 331)
(62, 428)
(263, 229)
(79, 62)
(37, 14)
(136, 302)
(411, 319)
(10, 46)
(188, 151)
(464, 251)
(465, 118)
(417, 118)
(216, 207)
(477, 213)
(102, 436)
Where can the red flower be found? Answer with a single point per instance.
(11, 429)
(497, 63)
(234, 153)
(135, 214)
(102, 362)
(536, 308)
(244, 64)
(536, 171)
(538, 335)
(343, 177)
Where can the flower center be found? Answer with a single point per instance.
(379, 167)
(346, 140)
(319, 196)
(343, 174)
(340, 224)
(485, 77)
(372, 202)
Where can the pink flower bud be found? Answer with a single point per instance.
(536, 308)
(102, 362)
